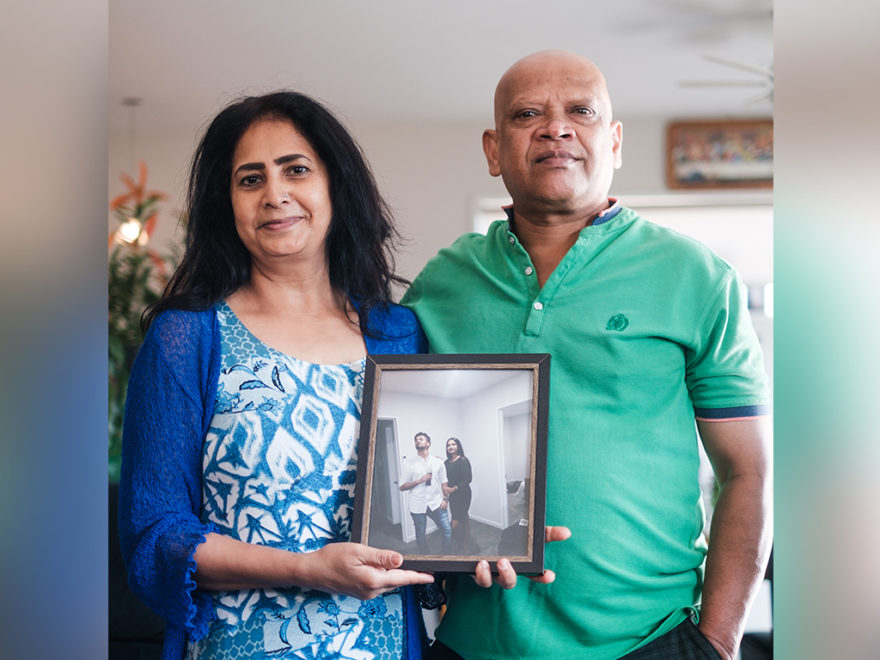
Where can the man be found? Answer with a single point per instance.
(649, 331)
(426, 481)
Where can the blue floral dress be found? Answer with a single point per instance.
(279, 470)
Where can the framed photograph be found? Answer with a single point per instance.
(720, 154)
(452, 459)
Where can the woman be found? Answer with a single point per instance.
(458, 490)
(244, 401)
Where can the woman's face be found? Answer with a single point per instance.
(280, 194)
(451, 448)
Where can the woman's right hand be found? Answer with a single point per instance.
(356, 570)
(353, 569)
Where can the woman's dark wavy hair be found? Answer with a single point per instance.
(457, 444)
(361, 233)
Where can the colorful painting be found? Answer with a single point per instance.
(720, 154)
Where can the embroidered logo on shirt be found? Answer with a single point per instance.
(618, 323)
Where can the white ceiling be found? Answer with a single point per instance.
(386, 61)
(449, 383)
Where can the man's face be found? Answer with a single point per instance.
(422, 442)
(555, 144)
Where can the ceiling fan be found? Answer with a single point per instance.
(717, 25)
(764, 81)
(702, 21)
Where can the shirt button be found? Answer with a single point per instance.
(538, 305)
(529, 270)
(511, 239)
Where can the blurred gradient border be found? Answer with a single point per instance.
(827, 359)
(53, 396)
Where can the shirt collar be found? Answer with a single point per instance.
(604, 215)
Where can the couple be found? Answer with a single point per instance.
(438, 489)
(239, 451)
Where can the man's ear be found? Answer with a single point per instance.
(490, 148)
(617, 143)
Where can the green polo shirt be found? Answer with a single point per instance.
(648, 330)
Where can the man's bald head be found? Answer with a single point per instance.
(535, 68)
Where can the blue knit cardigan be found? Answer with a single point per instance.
(169, 405)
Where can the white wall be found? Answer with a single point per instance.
(431, 176)
(439, 418)
(644, 157)
(516, 464)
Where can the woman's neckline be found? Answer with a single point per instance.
(226, 309)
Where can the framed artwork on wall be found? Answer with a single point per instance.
(452, 459)
(720, 154)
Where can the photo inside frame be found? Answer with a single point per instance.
(452, 461)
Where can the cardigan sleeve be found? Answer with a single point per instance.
(396, 330)
(169, 395)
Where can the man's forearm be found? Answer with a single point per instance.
(739, 545)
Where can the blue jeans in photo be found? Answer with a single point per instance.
(441, 519)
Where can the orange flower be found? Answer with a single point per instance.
(150, 225)
(137, 192)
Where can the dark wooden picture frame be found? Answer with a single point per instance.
(496, 405)
(724, 154)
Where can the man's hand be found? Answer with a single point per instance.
(506, 577)
(722, 651)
